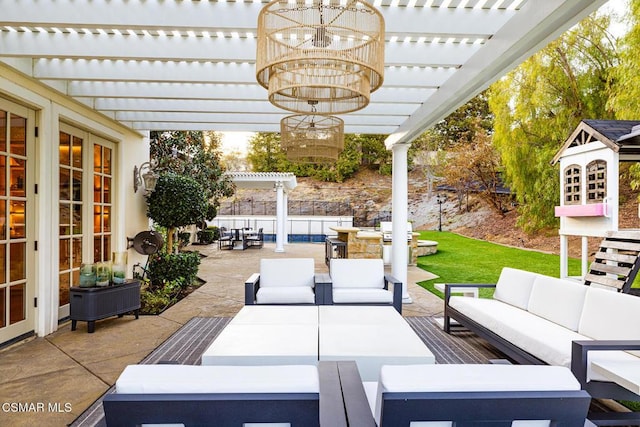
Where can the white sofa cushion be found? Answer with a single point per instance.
(546, 340)
(456, 377)
(471, 378)
(514, 287)
(610, 315)
(357, 273)
(557, 300)
(287, 272)
(218, 379)
(285, 295)
(362, 295)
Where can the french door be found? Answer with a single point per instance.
(85, 206)
(17, 215)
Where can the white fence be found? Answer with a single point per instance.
(299, 228)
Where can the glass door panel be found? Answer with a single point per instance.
(102, 177)
(16, 184)
(71, 146)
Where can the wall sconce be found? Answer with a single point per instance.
(148, 178)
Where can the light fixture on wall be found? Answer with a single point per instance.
(312, 138)
(326, 51)
(145, 175)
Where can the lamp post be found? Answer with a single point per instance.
(440, 200)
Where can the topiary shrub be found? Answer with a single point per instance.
(164, 267)
(177, 201)
(208, 235)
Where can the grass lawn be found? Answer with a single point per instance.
(463, 260)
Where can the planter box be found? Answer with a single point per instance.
(592, 209)
(91, 304)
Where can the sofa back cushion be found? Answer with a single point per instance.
(287, 272)
(357, 273)
(557, 300)
(218, 379)
(610, 315)
(514, 287)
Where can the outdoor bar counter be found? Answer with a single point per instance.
(368, 244)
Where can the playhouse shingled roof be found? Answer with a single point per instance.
(622, 136)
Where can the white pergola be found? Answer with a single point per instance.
(282, 183)
(190, 65)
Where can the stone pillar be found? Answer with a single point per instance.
(400, 188)
(280, 205)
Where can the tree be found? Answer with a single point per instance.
(475, 166)
(539, 104)
(428, 151)
(461, 126)
(177, 201)
(265, 153)
(188, 154)
(625, 88)
(625, 78)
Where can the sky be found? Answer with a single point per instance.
(235, 141)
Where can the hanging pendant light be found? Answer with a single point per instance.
(326, 51)
(312, 138)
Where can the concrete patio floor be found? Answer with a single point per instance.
(50, 381)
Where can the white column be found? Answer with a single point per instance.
(279, 216)
(585, 255)
(564, 256)
(285, 218)
(399, 206)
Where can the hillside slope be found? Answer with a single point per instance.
(371, 192)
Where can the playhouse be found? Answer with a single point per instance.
(589, 181)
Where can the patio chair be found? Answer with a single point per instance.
(303, 395)
(617, 262)
(255, 240)
(464, 396)
(225, 241)
(363, 281)
(284, 281)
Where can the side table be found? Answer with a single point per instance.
(91, 304)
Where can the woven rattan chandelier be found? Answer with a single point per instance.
(327, 51)
(312, 138)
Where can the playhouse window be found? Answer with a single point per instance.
(572, 175)
(596, 181)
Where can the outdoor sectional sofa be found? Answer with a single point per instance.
(537, 319)
(300, 395)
